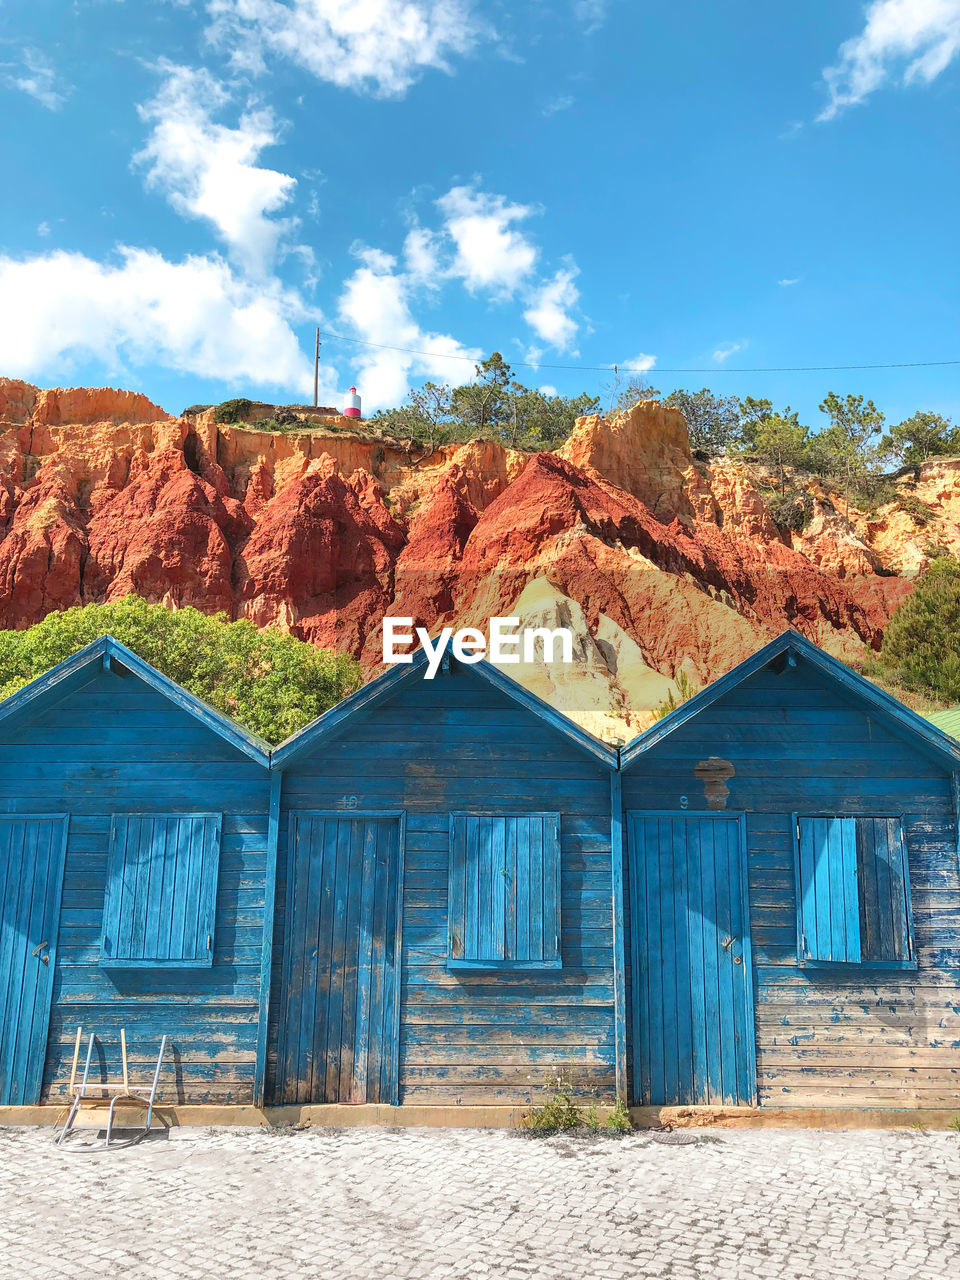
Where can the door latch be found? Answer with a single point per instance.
(42, 947)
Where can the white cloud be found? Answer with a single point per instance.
(490, 253)
(208, 170)
(378, 46)
(787, 281)
(35, 74)
(921, 37)
(549, 312)
(43, 228)
(727, 350)
(423, 256)
(375, 305)
(547, 389)
(196, 316)
(639, 364)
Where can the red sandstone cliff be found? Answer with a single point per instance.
(662, 563)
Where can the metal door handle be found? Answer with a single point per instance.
(42, 947)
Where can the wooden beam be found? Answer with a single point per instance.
(619, 949)
(266, 952)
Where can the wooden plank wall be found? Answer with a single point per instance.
(849, 1038)
(448, 745)
(111, 746)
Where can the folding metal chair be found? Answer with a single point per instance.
(90, 1098)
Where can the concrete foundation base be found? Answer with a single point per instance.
(512, 1117)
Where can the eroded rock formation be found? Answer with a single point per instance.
(658, 562)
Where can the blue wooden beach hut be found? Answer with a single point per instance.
(444, 898)
(793, 903)
(133, 859)
(444, 892)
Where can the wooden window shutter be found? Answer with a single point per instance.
(504, 891)
(884, 890)
(161, 896)
(854, 891)
(829, 895)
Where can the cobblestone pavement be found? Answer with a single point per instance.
(462, 1203)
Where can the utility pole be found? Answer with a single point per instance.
(316, 369)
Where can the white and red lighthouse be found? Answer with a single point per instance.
(352, 409)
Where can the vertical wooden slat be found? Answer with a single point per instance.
(337, 952)
(540, 893)
(726, 975)
(850, 928)
(367, 838)
(266, 943)
(698, 834)
(742, 1030)
(317, 867)
(379, 928)
(638, 941)
(525, 949)
(351, 956)
(152, 935)
(457, 887)
(682, 835)
(390, 1022)
(495, 917)
(867, 833)
(473, 865)
(671, 839)
(550, 844)
(210, 835)
(510, 888)
(654, 869)
(13, 955)
(619, 950)
(12, 948)
(893, 855)
(186, 885)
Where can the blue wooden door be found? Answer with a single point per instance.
(31, 877)
(693, 1029)
(339, 1032)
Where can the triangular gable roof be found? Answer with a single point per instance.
(881, 705)
(387, 685)
(60, 680)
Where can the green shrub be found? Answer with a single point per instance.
(619, 1118)
(791, 510)
(192, 410)
(685, 690)
(921, 646)
(232, 410)
(921, 511)
(558, 1114)
(271, 683)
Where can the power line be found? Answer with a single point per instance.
(658, 369)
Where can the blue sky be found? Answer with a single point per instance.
(192, 187)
